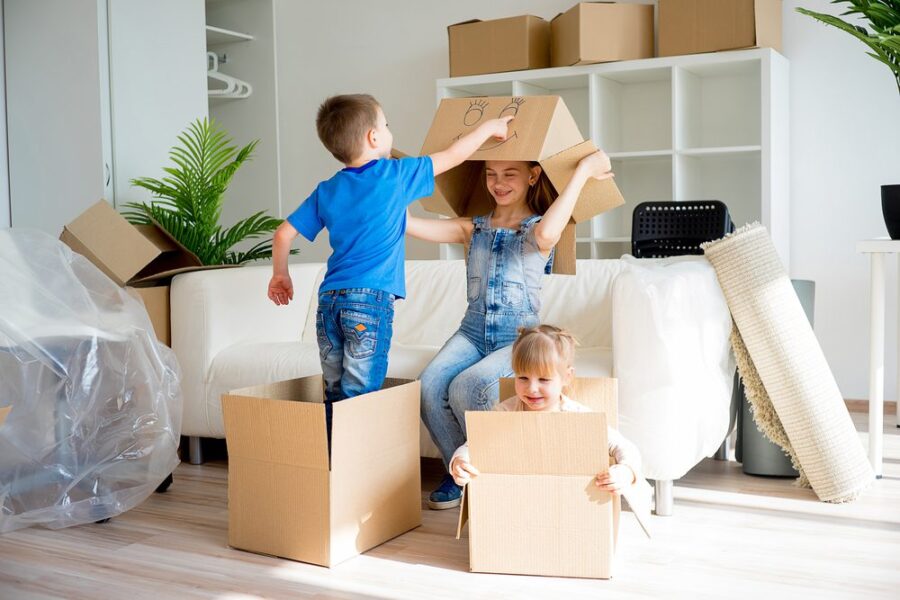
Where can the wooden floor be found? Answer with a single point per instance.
(732, 536)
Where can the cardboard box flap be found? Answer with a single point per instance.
(527, 133)
(528, 443)
(105, 238)
(272, 423)
(597, 393)
(463, 512)
(356, 415)
(596, 197)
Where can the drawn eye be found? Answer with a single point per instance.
(474, 112)
(512, 109)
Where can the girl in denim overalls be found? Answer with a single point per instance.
(509, 252)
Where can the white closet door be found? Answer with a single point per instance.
(4, 165)
(157, 82)
(53, 105)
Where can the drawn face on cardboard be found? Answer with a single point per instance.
(480, 110)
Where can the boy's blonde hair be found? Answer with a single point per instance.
(543, 350)
(343, 122)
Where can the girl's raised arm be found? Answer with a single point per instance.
(548, 231)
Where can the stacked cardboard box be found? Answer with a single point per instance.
(510, 44)
(694, 26)
(595, 32)
(144, 257)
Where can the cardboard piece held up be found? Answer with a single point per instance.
(284, 499)
(694, 26)
(568, 527)
(543, 131)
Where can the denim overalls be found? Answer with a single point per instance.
(504, 272)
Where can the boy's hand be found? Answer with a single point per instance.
(498, 128)
(596, 165)
(281, 289)
(463, 472)
(616, 479)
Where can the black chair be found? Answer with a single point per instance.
(661, 229)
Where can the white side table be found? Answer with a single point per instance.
(876, 249)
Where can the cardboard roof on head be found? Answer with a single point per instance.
(542, 131)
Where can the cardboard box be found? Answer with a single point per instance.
(156, 301)
(543, 131)
(568, 526)
(284, 500)
(3, 412)
(510, 44)
(693, 26)
(596, 32)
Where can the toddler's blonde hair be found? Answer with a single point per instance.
(543, 350)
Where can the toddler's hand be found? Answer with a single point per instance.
(616, 479)
(596, 165)
(463, 472)
(498, 128)
(281, 289)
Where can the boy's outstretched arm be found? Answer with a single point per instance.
(549, 229)
(465, 146)
(281, 288)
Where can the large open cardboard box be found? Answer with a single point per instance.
(144, 257)
(535, 509)
(284, 500)
(543, 131)
(595, 32)
(510, 44)
(694, 26)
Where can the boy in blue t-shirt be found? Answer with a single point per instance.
(363, 206)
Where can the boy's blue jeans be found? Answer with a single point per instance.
(353, 329)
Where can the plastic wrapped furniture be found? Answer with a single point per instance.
(96, 402)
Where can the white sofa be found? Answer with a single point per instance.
(227, 335)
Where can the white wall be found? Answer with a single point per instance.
(845, 127)
(4, 164)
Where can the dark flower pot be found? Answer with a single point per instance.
(890, 207)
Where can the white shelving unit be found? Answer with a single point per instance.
(216, 36)
(699, 127)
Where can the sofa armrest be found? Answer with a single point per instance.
(216, 309)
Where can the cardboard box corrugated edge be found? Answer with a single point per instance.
(324, 546)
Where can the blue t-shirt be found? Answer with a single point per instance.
(364, 210)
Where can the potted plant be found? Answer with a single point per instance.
(188, 202)
(883, 17)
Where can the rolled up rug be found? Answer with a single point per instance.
(796, 400)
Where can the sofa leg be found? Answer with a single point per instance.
(195, 452)
(663, 493)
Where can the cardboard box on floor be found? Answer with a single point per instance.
(133, 255)
(535, 509)
(596, 32)
(543, 131)
(510, 44)
(694, 26)
(283, 499)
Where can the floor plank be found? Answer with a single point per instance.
(732, 534)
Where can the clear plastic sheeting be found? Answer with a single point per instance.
(672, 356)
(96, 402)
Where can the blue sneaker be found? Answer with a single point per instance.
(447, 495)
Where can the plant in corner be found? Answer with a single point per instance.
(187, 203)
(883, 40)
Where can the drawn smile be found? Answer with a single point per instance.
(497, 145)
